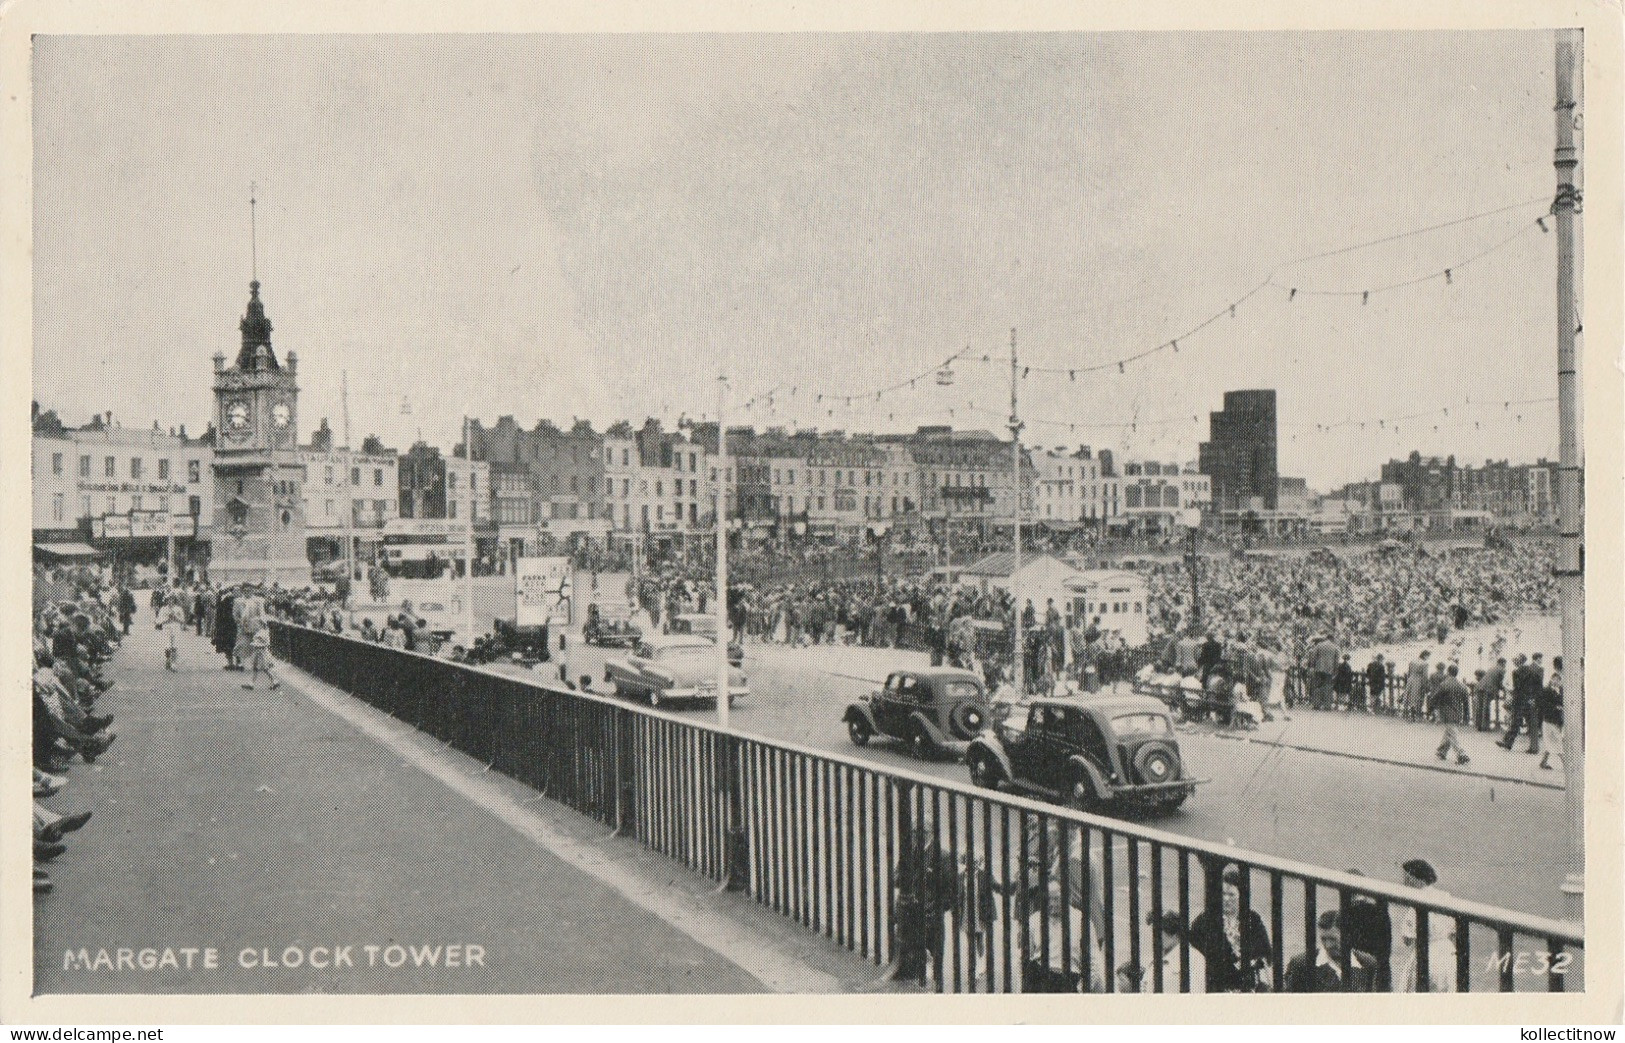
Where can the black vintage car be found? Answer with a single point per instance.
(1105, 755)
(934, 711)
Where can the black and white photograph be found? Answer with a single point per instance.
(871, 514)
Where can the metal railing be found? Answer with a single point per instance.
(961, 889)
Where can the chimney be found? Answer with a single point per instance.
(293, 363)
(219, 362)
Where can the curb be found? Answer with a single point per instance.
(1441, 768)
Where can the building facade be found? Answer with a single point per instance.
(1239, 457)
(124, 491)
(563, 481)
(347, 490)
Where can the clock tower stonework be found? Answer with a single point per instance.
(259, 523)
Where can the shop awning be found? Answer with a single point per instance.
(68, 550)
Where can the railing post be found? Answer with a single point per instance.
(736, 852)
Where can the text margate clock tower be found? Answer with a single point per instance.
(259, 523)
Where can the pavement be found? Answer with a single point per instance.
(1392, 741)
(296, 840)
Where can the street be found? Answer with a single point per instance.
(1491, 840)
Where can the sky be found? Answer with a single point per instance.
(568, 226)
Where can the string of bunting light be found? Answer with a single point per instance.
(1172, 344)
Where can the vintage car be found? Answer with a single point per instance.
(1114, 753)
(938, 710)
(703, 625)
(610, 627)
(665, 670)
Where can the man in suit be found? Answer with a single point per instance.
(1526, 684)
(1487, 692)
(1324, 973)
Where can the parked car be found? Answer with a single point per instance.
(704, 625)
(610, 628)
(1110, 754)
(665, 670)
(935, 711)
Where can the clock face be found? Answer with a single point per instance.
(237, 415)
(280, 414)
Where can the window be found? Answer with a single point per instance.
(163, 502)
(110, 468)
(135, 502)
(378, 476)
(84, 505)
(84, 466)
(626, 458)
(451, 508)
(57, 500)
(327, 506)
(163, 470)
(194, 505)
(327, 475)
(112, 505)
(355, 476)
(135, 468)
(56, 466)
(194, 471)
(660, 512)
(575, 484)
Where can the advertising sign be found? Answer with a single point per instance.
(543, 591)
(967, 493)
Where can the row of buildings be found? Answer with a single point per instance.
(248, 497)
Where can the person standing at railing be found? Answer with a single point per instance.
(1323, 972)
(1174, 933)
(1052, 914)
(1441, 976)
(1233, 941)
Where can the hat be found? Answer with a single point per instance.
(1421, 870)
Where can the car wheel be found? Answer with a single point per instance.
(983, 772)
(858, 730)
(1081, 795)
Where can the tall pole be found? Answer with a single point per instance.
(349, 490)
(1571, 552)
(468, 536)
(1196, 594)
(723, 669)
(1019, 650)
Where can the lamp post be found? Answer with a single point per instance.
(1570, 569)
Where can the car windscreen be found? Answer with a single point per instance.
(958, 691)
(1141, 724)
(673, 653)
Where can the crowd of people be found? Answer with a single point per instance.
(1401, 593)
(1058, 906)
(80, 616)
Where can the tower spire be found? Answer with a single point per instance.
(253, 237)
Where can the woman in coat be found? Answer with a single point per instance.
(1233, 942)
(225, 628)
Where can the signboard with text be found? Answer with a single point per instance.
(543, 591)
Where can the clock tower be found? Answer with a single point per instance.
(259, 522)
